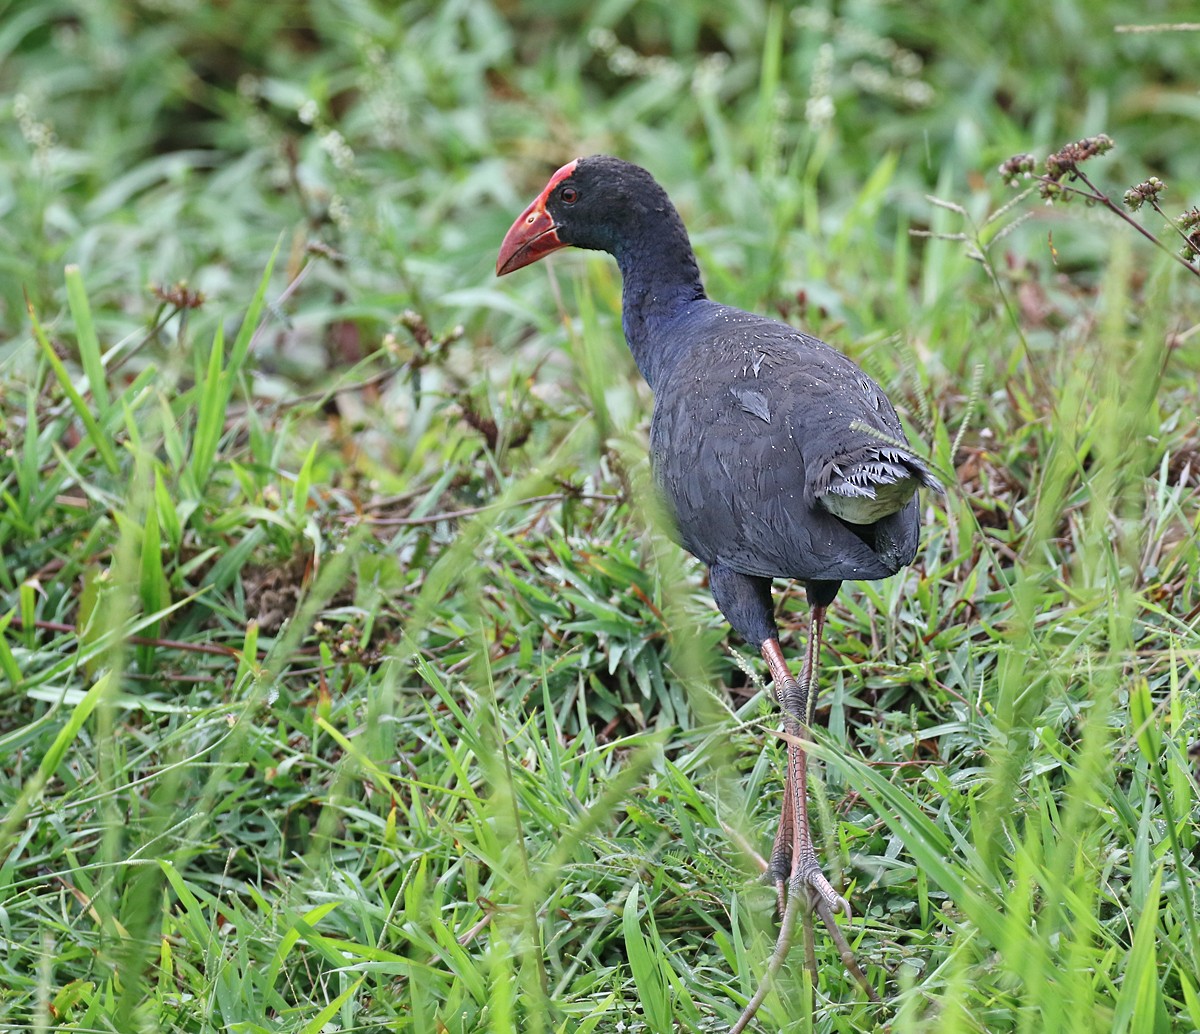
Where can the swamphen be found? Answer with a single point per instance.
(776, 455)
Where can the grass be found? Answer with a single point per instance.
(347, 682)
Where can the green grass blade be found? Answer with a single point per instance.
(644, 964)
(246, 332)
(99, 440)
(930, 847)
(86, 339)
(303, 485)
(8, 662)
(292, 936)
(217, 389)
(168, 515)
(154, 590)
(318, 1023)
(51, 760)
(1140, 998)
(210, 416)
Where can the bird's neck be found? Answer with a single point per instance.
(660, 279)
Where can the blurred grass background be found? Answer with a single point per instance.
(345, 687)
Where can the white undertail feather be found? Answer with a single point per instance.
(867, 490)
(874, 503)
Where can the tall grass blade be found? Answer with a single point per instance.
(99, 439)
(86, 339)
(1139, 1004)
(645, 959)
(221, 376)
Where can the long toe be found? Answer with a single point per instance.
(779, 872)
(809, 879)
(779, 869)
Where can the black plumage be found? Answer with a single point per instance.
(774, 453)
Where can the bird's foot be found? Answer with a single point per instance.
(803, 875)
(801, 894)
(809, 879)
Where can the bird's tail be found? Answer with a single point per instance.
(873, 482)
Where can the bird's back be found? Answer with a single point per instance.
(777, 455)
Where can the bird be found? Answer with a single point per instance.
(775, 455)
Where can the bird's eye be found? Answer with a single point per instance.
(569, 195)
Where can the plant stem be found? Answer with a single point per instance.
(1102, 198)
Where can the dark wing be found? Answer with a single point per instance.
(778, 457)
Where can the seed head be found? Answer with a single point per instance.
(1144, 193)
(1017, 168)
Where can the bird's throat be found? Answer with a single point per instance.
(658, 286)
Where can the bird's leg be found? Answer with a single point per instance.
(780, 866)
(793, 863)
(801, 886)
(794, 858)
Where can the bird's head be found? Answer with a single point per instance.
(597, 202)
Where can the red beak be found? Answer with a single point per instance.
(534, 235)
